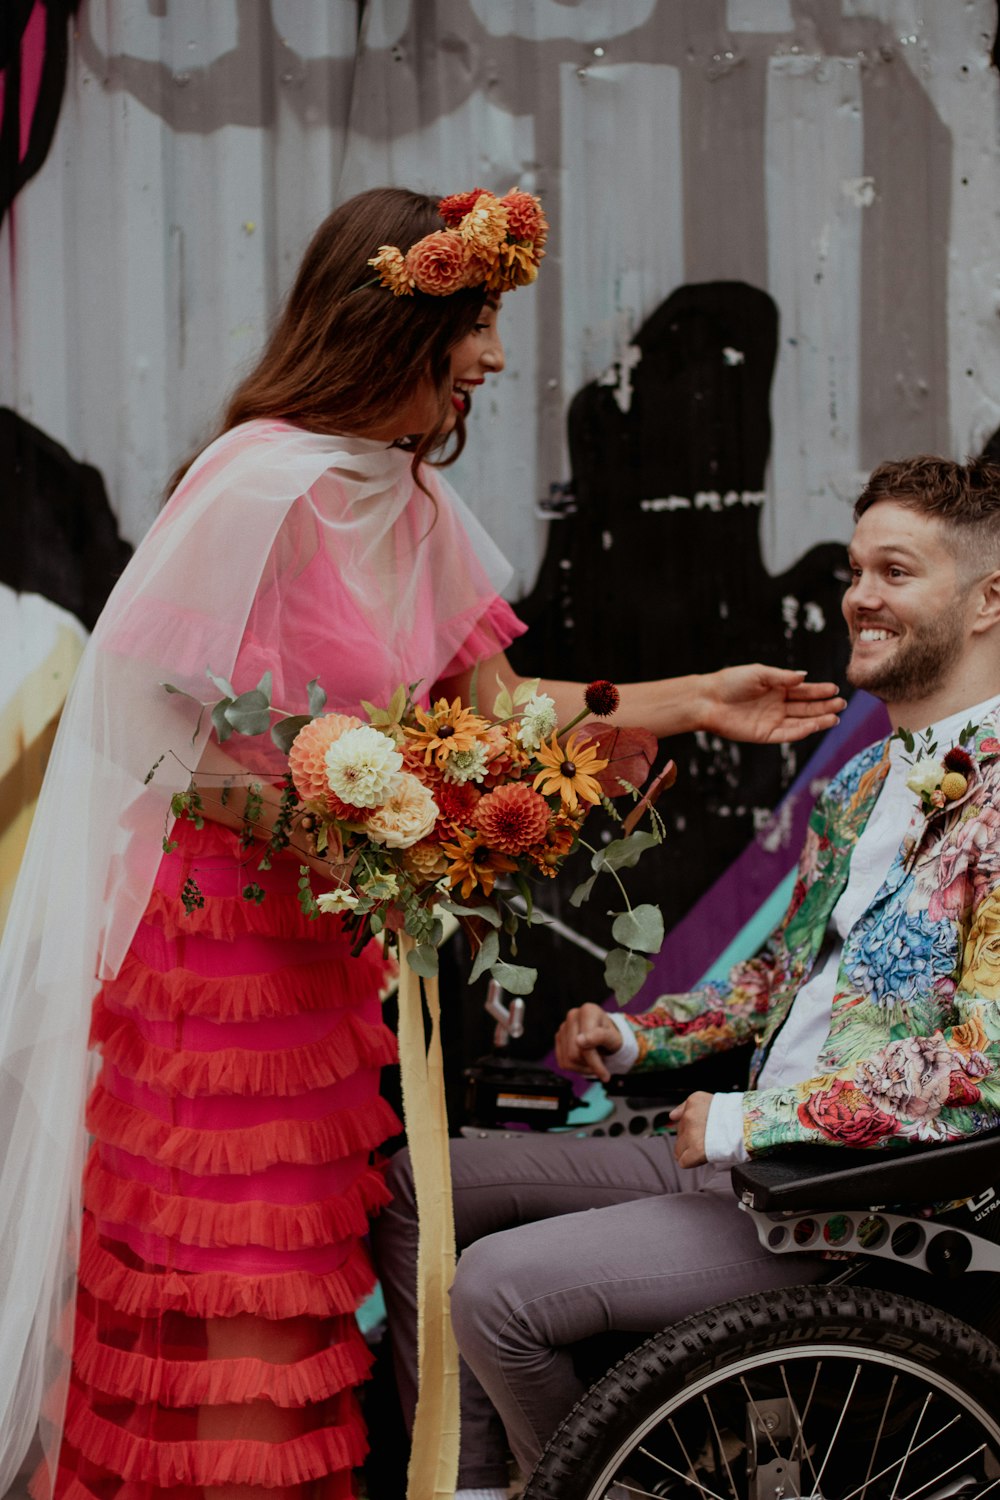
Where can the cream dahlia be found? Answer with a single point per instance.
(361, 766)
(306, 758)
(406, 816)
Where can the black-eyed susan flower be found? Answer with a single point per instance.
(570, 770)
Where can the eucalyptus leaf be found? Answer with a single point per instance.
(265, 684)
(317, 697)
(168, 687)
(250, 713)
(284, 731)
(582, 892)
(226, 688)
(625, 973)
(641, 928)
(622, 854)
(516, 979)
(397, 705)
(423, 960)
(489, 952)
(487, 913)
(221, 725)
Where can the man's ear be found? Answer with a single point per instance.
(988, 612)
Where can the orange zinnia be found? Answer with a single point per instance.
(472, 864)
(570, 770)
(445, 729)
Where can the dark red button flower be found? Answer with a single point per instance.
(602, 698)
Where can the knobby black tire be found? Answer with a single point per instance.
(654, 1377)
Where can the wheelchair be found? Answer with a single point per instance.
(881, 1381)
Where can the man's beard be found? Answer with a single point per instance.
(916, 668)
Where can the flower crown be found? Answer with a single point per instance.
(495, 243)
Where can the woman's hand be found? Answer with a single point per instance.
(767, 705)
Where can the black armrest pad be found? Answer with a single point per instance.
(827, 1177)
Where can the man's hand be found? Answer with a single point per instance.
(586, 1036)
(767, 705)
(691, 1119)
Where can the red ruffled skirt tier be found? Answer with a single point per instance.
(226, 1194)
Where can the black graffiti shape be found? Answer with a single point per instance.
(15, 169)
(631, 591)
(61, 539)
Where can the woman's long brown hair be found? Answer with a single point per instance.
(345, 354)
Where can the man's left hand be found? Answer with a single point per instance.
(691, 1119)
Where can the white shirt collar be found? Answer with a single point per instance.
(946, 731)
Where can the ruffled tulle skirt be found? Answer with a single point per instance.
(229, 1185)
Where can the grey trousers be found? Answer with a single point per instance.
(563, 1237)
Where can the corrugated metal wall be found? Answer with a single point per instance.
(841, 154)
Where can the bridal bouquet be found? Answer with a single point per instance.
(422, 811)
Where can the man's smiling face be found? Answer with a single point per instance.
(906, 604)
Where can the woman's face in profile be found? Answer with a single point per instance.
(478, 354)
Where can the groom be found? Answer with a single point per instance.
(875, 1008)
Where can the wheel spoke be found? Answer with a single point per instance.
(721, 1446)
(687, 1478)
(878, 1435)
(800, 1422)
(896, 1462)
(836, 1433)
(913, 1437)
(973, 1453)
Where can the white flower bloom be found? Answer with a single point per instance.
(467, 765)
(538, 721)
(361, 765)
(340, 899)
(407, 816)
(926, 776)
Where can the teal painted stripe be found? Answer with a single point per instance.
(755, 932)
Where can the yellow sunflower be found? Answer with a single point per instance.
(471, 864)
(445, 729)
(570, 769)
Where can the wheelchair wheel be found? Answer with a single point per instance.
(835, 1393)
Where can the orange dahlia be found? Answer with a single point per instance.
(525, 220)
(559, 840)
(439, 263)
(512, 818)
(306, 758)
(570, 770)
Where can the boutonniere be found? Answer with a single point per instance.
(938, 779)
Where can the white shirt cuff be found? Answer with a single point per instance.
(622, 1060)
(724, 1130)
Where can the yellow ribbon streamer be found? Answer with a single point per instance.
(433, 1472)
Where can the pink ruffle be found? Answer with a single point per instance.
(209, 1462)
(492, 633)
(222, 1294)
(123, 1374)
(172, 995)
(350, 1045)
(200, 1221)
(246, 1149)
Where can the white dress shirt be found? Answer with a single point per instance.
(797, 1046)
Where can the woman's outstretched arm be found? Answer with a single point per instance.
(767, 705)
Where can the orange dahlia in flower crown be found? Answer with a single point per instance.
(569, 771)
(512, 818)
(438, 264)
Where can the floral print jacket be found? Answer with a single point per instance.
(913, 1051)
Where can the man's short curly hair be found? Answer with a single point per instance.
(965, 498)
